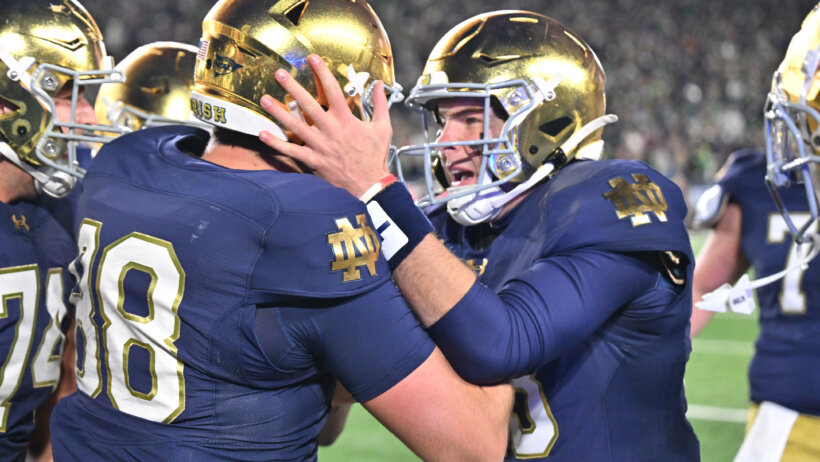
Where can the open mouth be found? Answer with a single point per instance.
(462, 177)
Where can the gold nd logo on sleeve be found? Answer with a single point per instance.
(354, 247)
(637, 200)
(20, 223)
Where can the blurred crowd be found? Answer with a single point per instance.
(688, 78)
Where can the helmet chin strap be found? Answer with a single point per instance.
(54, 183)
(485, 205)
(738, 298)
(476, 208)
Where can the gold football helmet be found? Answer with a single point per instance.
(157, 90)
(792, 122)
(539, 75)
(244, 42)
(44, 46)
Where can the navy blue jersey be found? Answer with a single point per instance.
(216, 306)
(34, 250)
(600, 339)
(786, 365)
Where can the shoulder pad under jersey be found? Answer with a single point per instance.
(710, 206)
(323, 243)
(738, 168)
(617, 205)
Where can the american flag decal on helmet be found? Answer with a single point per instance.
(203, 49)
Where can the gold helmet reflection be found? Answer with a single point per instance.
(519, 58)
(44, 45)
(244, 42)
(505, 46)
(157, 89)
(795, 76)
(792, 122)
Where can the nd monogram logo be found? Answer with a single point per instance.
(637, 200)
(20, 223)
(354, 247)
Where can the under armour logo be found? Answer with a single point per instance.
(20, 223)
(637, 200)
(354, 247)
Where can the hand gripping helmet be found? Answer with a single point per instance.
(45, 45)
(244, 42)
(541, 76)
(792, 123)
(157, 90)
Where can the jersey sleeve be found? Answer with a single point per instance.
(370, 341)
(619, 206)
(550, 308)
(374, 342)
(321, 244)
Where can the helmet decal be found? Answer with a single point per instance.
(50, 53)
(531, 71)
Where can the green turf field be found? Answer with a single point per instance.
(716, 389)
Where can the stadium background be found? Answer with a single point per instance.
(688, 79)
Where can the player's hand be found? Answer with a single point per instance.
(339, 147)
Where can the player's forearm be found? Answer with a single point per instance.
(479, 433)
(432, 280)
(39, 448)
(334, 425)
(40, 443)
(340, 408)
(441, 417)
(718, 262)
(68, 379)
(700, 286)
(698, 320)
(494, 404)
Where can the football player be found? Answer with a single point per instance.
(748, 232)
(223, 292)
(49, 52)
(582, 283)
(157, 89)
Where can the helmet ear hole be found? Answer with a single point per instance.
(438, 172)
(498, 108)
(247, 52)
(7, 106)
(294, 14)
(554, 127)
